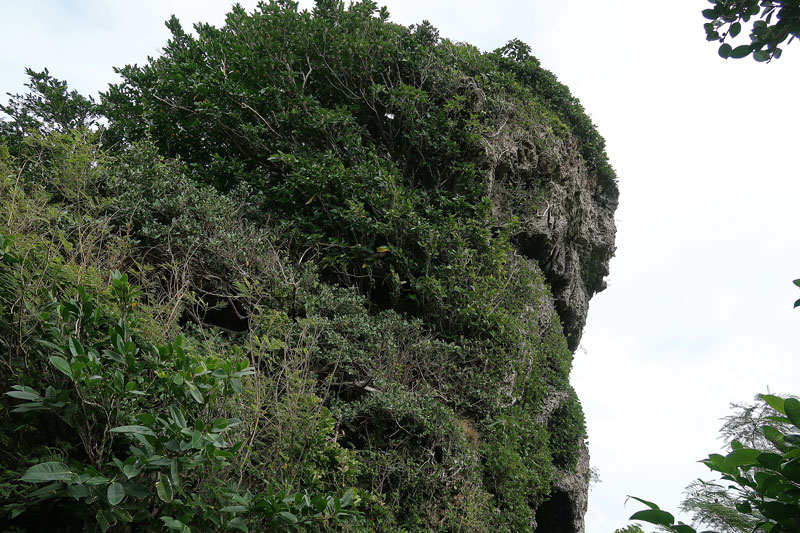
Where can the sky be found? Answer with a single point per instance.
(698, 313)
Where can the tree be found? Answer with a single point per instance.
(776, 21)
(714, 504)
(49, 106)
(762, 483)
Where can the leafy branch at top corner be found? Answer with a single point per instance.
(774, 22)
(797, 302)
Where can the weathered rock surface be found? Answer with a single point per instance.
(566, 216)
(564, 511)
(566, 224)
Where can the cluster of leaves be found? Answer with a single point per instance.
(763, 481)
(133, 422)
(775, 21)
(303, 198)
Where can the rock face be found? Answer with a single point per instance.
(567, 225)
(564, 511)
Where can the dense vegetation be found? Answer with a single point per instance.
(758, 489)
(262, 284)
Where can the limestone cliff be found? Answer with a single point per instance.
(565, 213)
(438, 219)
(566, 225)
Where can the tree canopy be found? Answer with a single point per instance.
(773, 22)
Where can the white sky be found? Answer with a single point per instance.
(699, 308)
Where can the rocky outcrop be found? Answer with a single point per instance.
(564, 511)
(565, 214)
(565, 222)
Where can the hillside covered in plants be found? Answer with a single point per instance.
(305, 271)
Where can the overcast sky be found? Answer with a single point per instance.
(698, 312)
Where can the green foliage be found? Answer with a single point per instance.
(143, 427)
(518, 466)
(49, 107)
(775, 21)
(331, 328)
(763, 482)
(567, 429)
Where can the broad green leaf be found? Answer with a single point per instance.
(105, 520)
(773, 435)
(238, 523)
(742, 457)
(791, 470)
(76, 348)
(115, 493)
(777, 510)
(164, 488)
(347, 498)
(792, 408)
(735, 29)
(24, 395)
(710, 14)
(683, 528)
(770, 460)
(146, 419)
(197, 440)
(50, 471)
(177, 417)
(740, 51)
(61, 364)
(793, 453)
(220, 423)
(174, 473)
(792, 438)
(771, 485)
(778, 419)
(114, 356)
(776, 402)
(287, 517)
(725, 51)
(651, 505)
(138, 430)
(654, 516)
(131, 471)
(194, 392)
(173, 524)
(762, 56)
(28, 407)
(54, 347)
(78, 491)
(717, 459)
